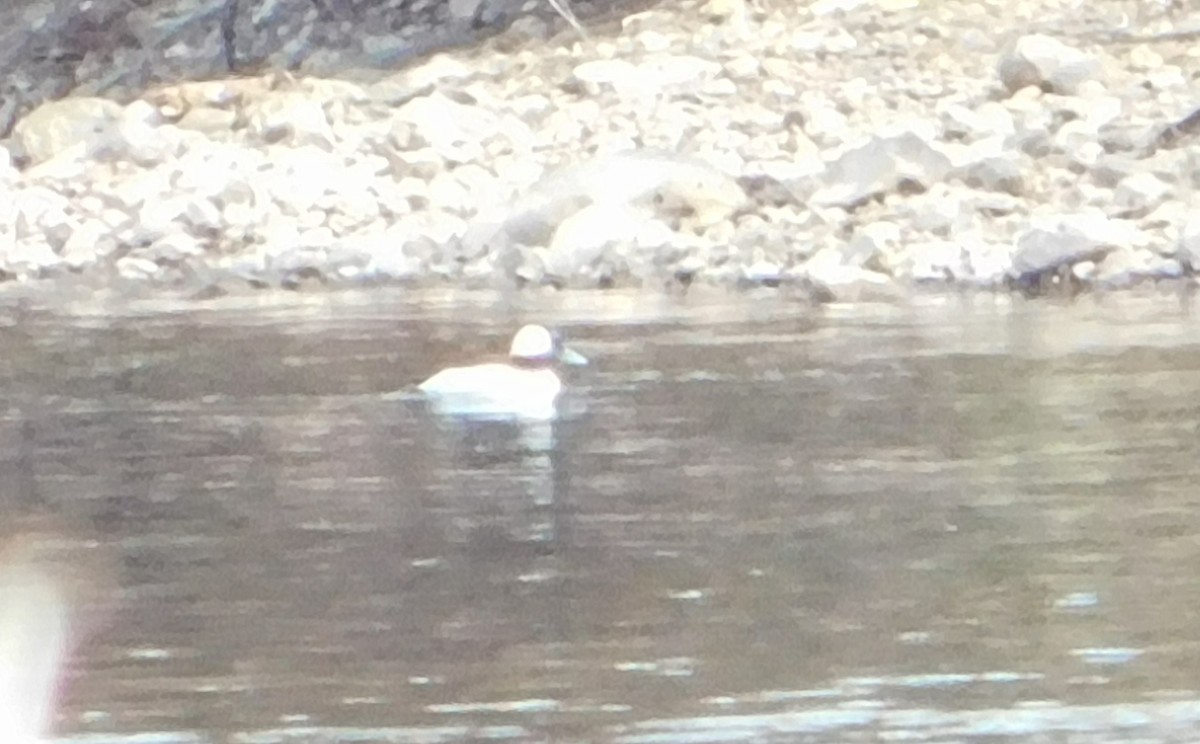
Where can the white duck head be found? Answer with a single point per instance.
(527, 387)
(535, 346)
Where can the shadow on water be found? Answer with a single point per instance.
(958, 519)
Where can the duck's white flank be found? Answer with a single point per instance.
(494, 391)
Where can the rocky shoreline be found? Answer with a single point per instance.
(838, 146)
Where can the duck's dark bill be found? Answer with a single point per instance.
(572, 357)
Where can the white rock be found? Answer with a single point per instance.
(829, 268)
(30, 256)
(881, 165)
(730, 11)
(617, 73)
(456, 132)
(1096, 226)
(423, 164)
(217, 169)
(655, 73)
(936, 261)
(743, 67)
(940, 211)
(585, 236)
(43, 213)
(295, 263)
(762, 270)
(350, 209)
(1055, 241)
(81, 248)
(825, 124)
(277, 234)
(450, 194)
(244, 206)
(174, 247)
(1081, 149)
(1126, 266)
(1040, 60)
(384, 252)
(143, 136)
(668, 70)
(316, 238)
(73, 124)
(1001, 174)
(436, 69)
(719, 87)
(158, 217)
(1188, 250)
(8, 173)
(292, 117)
(657, 183)
(873, 243)
(300, 176)
(434, 225)
(987, 263)
(653, 41)
(1102, 110)
(1141, 192)
(1169, 77)
(989, 120)
(830, 41)
(202, 214)
(1143, 58)
(213, 122)
(136, 268)
(311, 218)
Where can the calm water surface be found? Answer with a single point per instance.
(950, 520)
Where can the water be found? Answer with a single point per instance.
(957, 519)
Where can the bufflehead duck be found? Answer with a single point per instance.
(525, 388)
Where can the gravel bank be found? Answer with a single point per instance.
(846, 147)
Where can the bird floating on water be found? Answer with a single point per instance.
(526, 387)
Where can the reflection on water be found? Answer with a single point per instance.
(957, 519)
(51, 591)
(33, 631)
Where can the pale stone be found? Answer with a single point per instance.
(55, 127)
